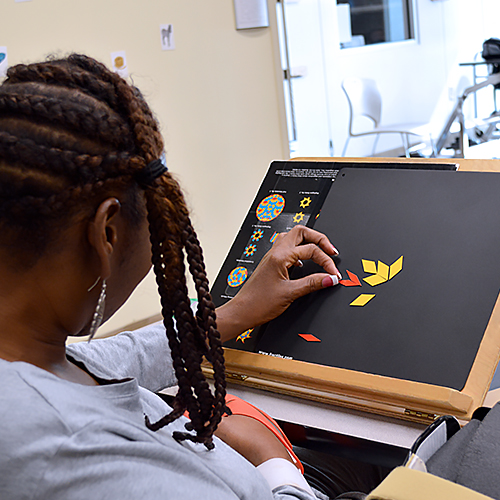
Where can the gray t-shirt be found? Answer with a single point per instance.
(66, 441)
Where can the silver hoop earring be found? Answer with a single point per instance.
(99, 311)
(94, 285)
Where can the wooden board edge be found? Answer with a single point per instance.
(466, 165)
(486, 360)
(337, 384)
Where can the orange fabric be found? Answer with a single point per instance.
(240, 407)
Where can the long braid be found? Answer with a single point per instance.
(93, 133)
(192, 338)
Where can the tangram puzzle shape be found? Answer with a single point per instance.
(381, 272)
(309, 337)
(362, 300)
(352, 281)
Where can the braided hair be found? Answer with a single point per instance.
(71, 132)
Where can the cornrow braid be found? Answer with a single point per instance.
(146, 130)
(64, 73)
(71, 133)
(79, 167)
(98, 124)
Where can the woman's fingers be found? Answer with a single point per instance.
(311, 283)
(301, 234)
(314, 253)
(303, 243)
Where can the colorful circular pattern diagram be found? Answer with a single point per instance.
(237, 276)
(269, 208)
(257, 235)
(250, 250)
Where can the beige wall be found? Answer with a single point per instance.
(217, 96)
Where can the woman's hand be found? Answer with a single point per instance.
(251, 439)
(269, 291)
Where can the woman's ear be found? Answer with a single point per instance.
(103, 233)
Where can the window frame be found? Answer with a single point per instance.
(412, 27)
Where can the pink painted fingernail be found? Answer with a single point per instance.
(330, 281)
(339, 275)
(335, 251)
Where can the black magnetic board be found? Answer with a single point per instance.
(426, 323)
(302, 187)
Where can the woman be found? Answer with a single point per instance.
(85, 206)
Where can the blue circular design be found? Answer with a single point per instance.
(269, 208)
(237, 276)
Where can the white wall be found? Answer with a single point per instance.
(216, 96)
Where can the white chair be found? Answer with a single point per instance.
(365, 100)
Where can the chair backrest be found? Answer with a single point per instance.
(408, 484)
(364, 99)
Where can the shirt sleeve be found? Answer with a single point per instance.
(279, 472)
(143, 354)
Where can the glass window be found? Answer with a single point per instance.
(375, 21)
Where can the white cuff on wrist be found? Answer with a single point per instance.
(279, 471)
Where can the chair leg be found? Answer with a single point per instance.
(375, 144)
(433, 147)
(406, 144)
(345, 145)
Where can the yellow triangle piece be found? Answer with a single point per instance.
(396, 267)
(369, 266)
(375, 280)
(362, 300)
(383, 270)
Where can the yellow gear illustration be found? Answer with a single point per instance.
(305, 202)
(298, 217)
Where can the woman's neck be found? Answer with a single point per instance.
(31, 329)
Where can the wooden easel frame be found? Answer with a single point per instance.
(373, 393)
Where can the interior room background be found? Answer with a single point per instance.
(220, 97)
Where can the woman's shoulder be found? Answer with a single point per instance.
(23, 397)
(32, 429)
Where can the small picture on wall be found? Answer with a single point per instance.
(3, 62)
(167, 37)
(119, 63)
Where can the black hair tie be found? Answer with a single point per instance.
(150, 173)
